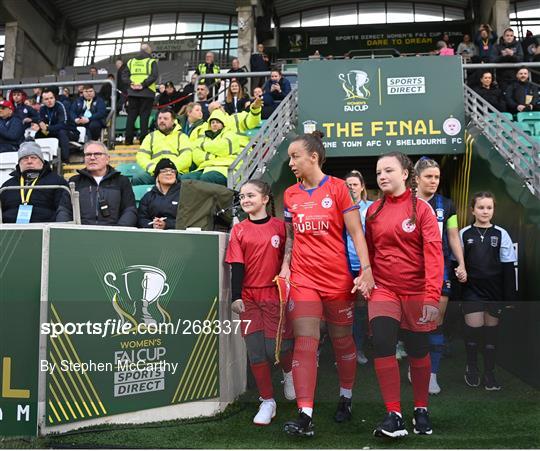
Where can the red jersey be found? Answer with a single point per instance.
(260, 248)
(319, 256)
(405, 258)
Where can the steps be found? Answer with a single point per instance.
(120, 154)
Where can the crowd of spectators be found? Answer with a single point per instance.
(194, 135)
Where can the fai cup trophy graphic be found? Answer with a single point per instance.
(354, 84)
(142, 286)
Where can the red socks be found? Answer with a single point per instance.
(387, 370)
(420, 374)
(304, 367)
(285, 360)
(345, 354)
(263, 378)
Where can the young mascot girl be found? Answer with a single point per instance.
(317, 210)
(406, 253)
(489, 259)
(255, 254)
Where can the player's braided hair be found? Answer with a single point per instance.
(405, 163)
(313, 144)
(264, 189)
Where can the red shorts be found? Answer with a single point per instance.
(335, 308)
(407, 309)
(262, 313)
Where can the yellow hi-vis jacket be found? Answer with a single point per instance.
(216, 154)
(201, 69)
(140, 70)
(176, 146)
(242, 122)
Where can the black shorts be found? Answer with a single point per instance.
(492, 307)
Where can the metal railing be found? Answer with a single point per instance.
(252, 161)
(73, 195)
(520, 150)
(237, 75)
(111, 118)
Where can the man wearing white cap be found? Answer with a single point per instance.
(24, 206)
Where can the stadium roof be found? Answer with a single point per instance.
(81, 13)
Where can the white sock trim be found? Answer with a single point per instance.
(347, 392)
(308, 411)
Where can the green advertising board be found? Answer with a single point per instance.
(132, 322)
(339, 40)
(20, 287)
(373, 106)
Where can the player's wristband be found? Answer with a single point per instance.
(366, 267)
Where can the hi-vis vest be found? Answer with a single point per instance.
(202, 70)
(140, 70)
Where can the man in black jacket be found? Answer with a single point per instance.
(522, 95)
(36, 205)
(105, 195)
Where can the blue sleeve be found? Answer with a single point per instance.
(101, 110)
(43, 114)
(14, 132)
(75, 110)
(507, 253)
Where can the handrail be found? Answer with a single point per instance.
(519, 150)
(251, 163)
(73, 195)
(112, 113)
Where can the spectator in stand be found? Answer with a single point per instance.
(55, 122)
(443, 49)
(236, 99)
(203, 100)
(158, 207)
(209, 67)
(522, 95)
(446, 39)
(191, 121)
(26, 206)
(168, 141)
(529, 45)
(105, 195)
(489, 91)
(168, 96)
(161, 88)
(90, 112)
(276, 89)
(93, 72)
(485, 39)
(26, 113)
(141, 76)
(215, 151)
(259, 62)
(121, 85)
(106, 91)
(266, 109)
(467, 49)
(508, 50)
(235, 69)
(11, 128)
(188, 91)
(536, 59)
(37, 94)
(241, 122)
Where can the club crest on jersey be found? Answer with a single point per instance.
(275, 241)
(326, 202)
(408, 226)
(494, 241)
(440, 214)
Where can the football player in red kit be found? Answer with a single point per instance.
(407, 259)
(317, 210)
(255, 254)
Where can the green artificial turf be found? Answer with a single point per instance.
(462, 417)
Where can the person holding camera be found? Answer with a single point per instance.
(276, 89)
(105, 195)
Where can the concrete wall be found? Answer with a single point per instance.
(34, 46)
